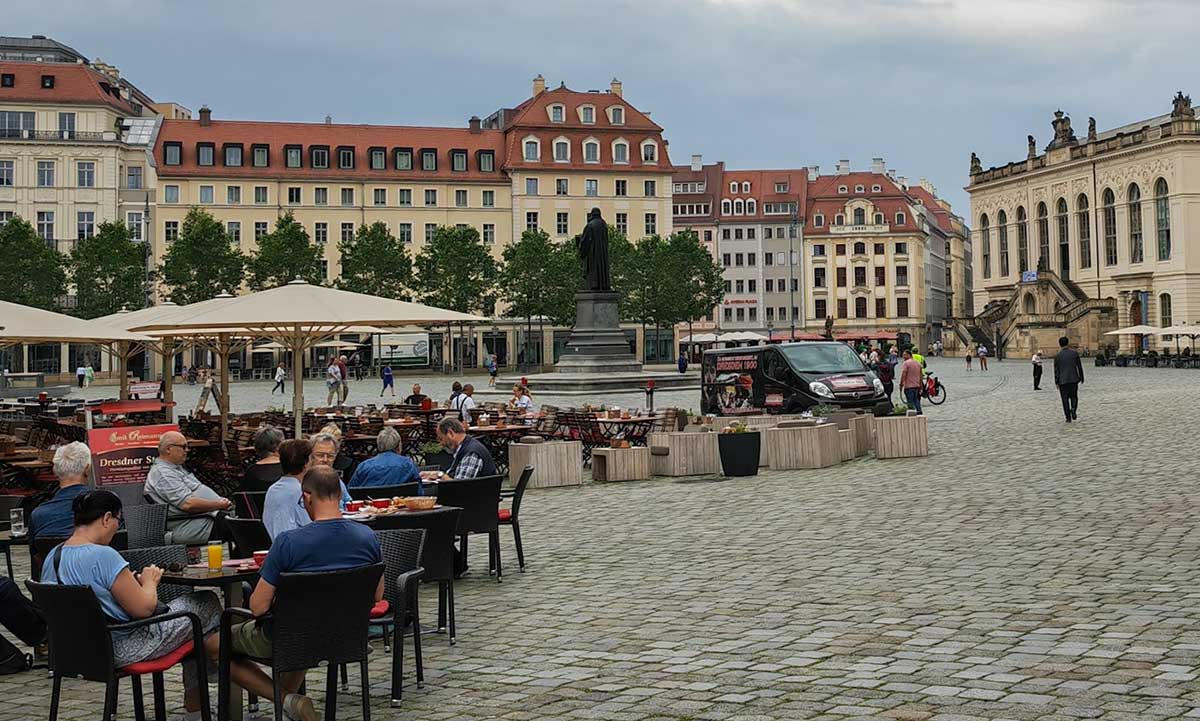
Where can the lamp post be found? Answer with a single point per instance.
(149, 294)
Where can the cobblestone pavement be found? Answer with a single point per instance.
(1027, 569)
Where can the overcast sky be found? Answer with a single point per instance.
(756, 83)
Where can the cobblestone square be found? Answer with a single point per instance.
(1027, 569)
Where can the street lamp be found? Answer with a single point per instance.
(149, 295)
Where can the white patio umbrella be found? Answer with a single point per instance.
(699, 338)
(1134, 330)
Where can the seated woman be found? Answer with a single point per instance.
(266, 470)
(521, 399)
(85, 559)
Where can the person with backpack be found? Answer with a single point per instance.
(887, 376)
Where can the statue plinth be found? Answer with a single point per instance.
(597, 343)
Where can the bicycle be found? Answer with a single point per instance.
(932, 390)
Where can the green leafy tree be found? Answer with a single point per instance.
(283, 255)
(31, 273)
(698, 277)
(203, 262)
(538, 277)
(564, 276)
(375, 262)
(455, 271)
(109, 272)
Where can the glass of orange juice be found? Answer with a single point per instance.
(214, 556)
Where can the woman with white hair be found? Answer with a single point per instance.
(54, 518)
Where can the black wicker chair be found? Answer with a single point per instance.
(164, 557)
(249, 535)
(437, 556)
(509, 516)
(131, 494)
(146, 524)
(402, 550)
(317, 618)
(479, 499)
(362, 493)
(80, 638)
(42, 545)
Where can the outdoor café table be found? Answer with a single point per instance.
(7, 541)
(496, 440)
(633, 430)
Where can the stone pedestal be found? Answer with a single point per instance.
(620, 464)
(687, 454)
(597, 343)
(555, 463)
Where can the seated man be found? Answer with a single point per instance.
(54, 518)
(388, 467)
(327, 451)
(328, 543)
(417, 397)
(193, 506)
(471, 458)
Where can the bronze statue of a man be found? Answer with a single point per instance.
(593, 251)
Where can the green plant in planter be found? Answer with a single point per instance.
(823, 410)
(900, 409)
(737, 427)
(429, 448)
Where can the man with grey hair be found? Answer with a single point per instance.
(192, 507)
(388, 467)
(54, 517)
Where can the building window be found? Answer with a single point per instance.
(617, 115)
(293, 195)
(860, 216)
(650, 187)
(1085, 231)
(260, 229)
(1022, 240)
(321, 196)
(621, 188)
(205, 154)
(431, 198)
(561, 223)
(346, 158)
(260, 156)
(45, 173)
(562, 151)
(405, 197)
(319, 158)
(902, 307)
(739, 207)
(878, 219)
(404, 159)
(881, 307)
(1162, 219)
(532, 150)
(133, 177)
(531, 186)
(708, 236)
(839, 249)
(378, 159)
(233, 194)
(171, 231)
(233, 156)
(1043, 229)
(557, 113)
(405, 233)
(620, 152)
(380, 196)
(324, 270)
(751, 258)
(985, 242)
(623, 223)
(1136, 254)
(172, 153)
(293, 156)
(843, 189)
(1002, 233)
(561, 186)
(649, 152)
(206, 194)
(770, 312)
(133, 221)
(841, 277)
(170, 193)
(841, 308)
(347, 197)
(85, 224)
(769, 283)
(591, 187)
(429, 160)
(489, 233)
(738, 234)
(260, 194)
(1164, 310)
(487, 161)
(347, 231)
(860, 248)
(1064, 226)
(839, 219)
(591, 152)
(85, 174)
(587, 114)
(902, 275)
(1110, 227)
(531, 220)
(45, 225)
(458, 161)
(880, 276)
(234, 230)
(489, 198)
(727, 313)
(900, 220)
(819, 309)
(651, 223)
(430, 229)
(460, 198)
(860, 307)
(818, 250)
(818, 278)
(860, 276)
(725, 259)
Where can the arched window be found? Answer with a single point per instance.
(751, 206)
(1164, 310)
(860, 307)
(558, 113)
(818, 221)
(860, 216)
(739, 207)
(1043, 229)
(1084, 222)
(591, 151)
(1162, 220)
(1064, 231)
(985, 241)
(839, 219)
(649, 152)
(1002, 232)
(1110, 227)
(726, 207)
(878, 219)
(1030, 303)
(733, 187)
(860, 248)
(1022, 240)
(745, 186)
(562, 150)
(900, 219)
(620, 151)
(1136, 246)
(533, 149)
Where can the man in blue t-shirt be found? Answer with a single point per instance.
(329, 543)
(388, 468)
(54, 518)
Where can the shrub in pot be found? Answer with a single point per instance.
(740, 449)
(434, 455)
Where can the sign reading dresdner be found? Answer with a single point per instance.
(124, 455)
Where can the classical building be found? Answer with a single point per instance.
(1088, 234)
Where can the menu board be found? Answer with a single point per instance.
(124, 454)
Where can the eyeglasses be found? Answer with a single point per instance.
(177, 445)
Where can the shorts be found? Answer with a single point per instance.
(250, 639)
(492, 372)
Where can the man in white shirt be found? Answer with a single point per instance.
(463, 403)
(333, 381)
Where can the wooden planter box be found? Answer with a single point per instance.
(849, 445)
(808, 446)
(864, 432)
(620, 464)
(555, 463)
(901, 437)
(687, 454)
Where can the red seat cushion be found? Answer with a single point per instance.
(162, 663)
(504, 514)
(380, 609)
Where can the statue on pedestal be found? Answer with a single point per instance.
(976, 166)
(593, 252)
(1032, 152)
(1181, 107)
(1091, 129)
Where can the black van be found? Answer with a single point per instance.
(788, 378)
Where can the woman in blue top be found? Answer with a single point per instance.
(86, 559)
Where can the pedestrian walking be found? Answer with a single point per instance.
(388, 381)
(1036, 359)
(887, 374)
(345, 385)
(89, 375)
(970, 354)
(80, 375)
(280, 375)
(489, 362)
(682, 365)
(910, 381)
(1068, 374)
(983, 355)
(207, 390)
(333, 381)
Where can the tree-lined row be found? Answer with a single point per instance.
(661, 280)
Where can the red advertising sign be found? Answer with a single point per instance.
(124, 455)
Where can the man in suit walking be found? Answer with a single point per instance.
(1068, 374)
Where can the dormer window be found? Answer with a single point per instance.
(745, 186)
(879, 219)
(562, 151)
(843, 189)
(591, 151)
(557, 113)
(818, 221)
(173, 153)
(876, 189)
(205, 154)
(233, 156)
(733, 187)
(486, 160)
(346, 158)
(293, 156)
(649, 152)
(587, 115)
(318, 156)
(532, 149)
(260, 155)
(429, 159)
(7, 80)
(858, 189)
(404, 158)
(839, 219)
(620, 151)
(781, 187)
(751, 207)
(378, 158)
(616, 115)
(726, 207)
(458, 161)
(47, 82)
(739, 207)
(900, 219)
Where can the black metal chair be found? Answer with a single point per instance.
(164, 557)
(362, 493)
(249, 535)
(41, 546)
(437, 556)
(146, 524)
(318, 618)
(80, 638)
(249, 504)
(509, 516)
(479, 499)
(402, 550)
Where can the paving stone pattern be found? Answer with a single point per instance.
(1027, 569)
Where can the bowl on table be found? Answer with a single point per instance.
(420, 503)
(382, 503)
(353, 506)
(260, 557)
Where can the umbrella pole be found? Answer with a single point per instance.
(168, 371)
(223, 399)
(123, 368)
(297, 383)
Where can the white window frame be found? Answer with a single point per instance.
(582, 109)
(563, 142)
(537, 146)
(745, 186)
(612, 111)
(649, 144)
(591, 143)
(562, 113)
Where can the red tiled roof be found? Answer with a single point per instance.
(825, 198)
(533, 112)
(362, 138)
(940, 215)
(762, 190)
(72, 84)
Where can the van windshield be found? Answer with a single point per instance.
(822, 358)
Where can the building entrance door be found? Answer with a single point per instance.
(1064, 260)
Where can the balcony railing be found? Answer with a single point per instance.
(859, 229)
(60, 135)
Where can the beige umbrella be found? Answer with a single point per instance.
(1134, 330)
(297, 315)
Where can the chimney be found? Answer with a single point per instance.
(329, 120)
(205, 116)
(697, 162)
(473, 123)
(928, 186)
(877, 166)
(903, 182)
(892, 173)
(814, 172)
(615, 87)
(539, 85)
(843, 167)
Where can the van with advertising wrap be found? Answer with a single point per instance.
(788, 378)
